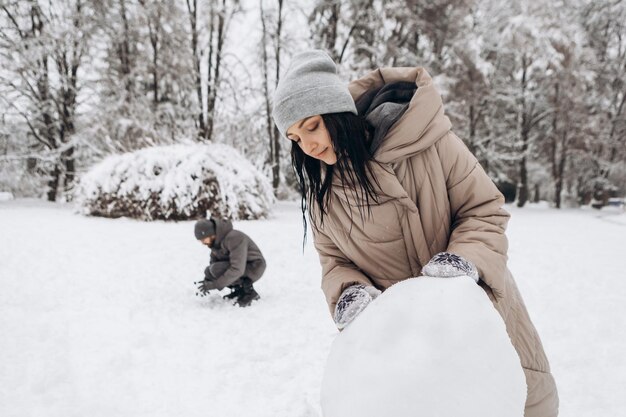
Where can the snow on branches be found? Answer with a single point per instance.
(176, 182)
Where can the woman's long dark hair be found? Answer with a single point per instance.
(350, 135)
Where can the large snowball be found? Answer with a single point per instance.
(425, 347)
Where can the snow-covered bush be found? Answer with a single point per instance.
(6, 196)
(19, 180)
(176, 182)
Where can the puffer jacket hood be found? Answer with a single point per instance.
(222, 228)
(422, 123)
(383, 107)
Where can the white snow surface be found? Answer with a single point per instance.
(98, 316)
(6, 196)
(426, 346)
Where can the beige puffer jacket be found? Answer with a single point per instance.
(434, 197)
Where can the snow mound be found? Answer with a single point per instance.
(176, 182)
(425, 347)
(6, 196)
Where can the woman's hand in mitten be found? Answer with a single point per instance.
(352, 301)
(446, 265)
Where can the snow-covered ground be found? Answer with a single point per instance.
(99, 317)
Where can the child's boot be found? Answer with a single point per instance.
(248, 293)
(235, 291)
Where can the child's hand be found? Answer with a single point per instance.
(204, 287)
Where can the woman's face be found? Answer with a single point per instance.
(313, 138)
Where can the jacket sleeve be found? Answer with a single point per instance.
(237, 247)
(338, 272)
(478, 221)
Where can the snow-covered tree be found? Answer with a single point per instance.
(209, 23)
(44, 47)
(144, 77)
(565, 90)
(606, 34)
(536, 90)
(524, 55)
(271, 45)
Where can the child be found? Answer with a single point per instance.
(236, 261)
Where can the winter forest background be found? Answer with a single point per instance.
(150, 108)
(537, 89)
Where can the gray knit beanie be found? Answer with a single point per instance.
(310, 86)
(204, 228)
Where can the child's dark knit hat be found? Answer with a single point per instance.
(204, 228)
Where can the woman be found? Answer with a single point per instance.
(392, 193)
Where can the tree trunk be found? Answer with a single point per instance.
(558, 181)
(192, 8)
(562, 162)
(53, 183)
(154, 42)
(68, 63)
(124, 54)
(522, 187)
(331, 34)
(213, 77)
(69, 165)
(43, 89)
(268, 111)
(558, 190)
(273, 134)
(536, 194)
(276, 137)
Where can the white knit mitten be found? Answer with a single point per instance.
(351, 302)
(446, 265)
